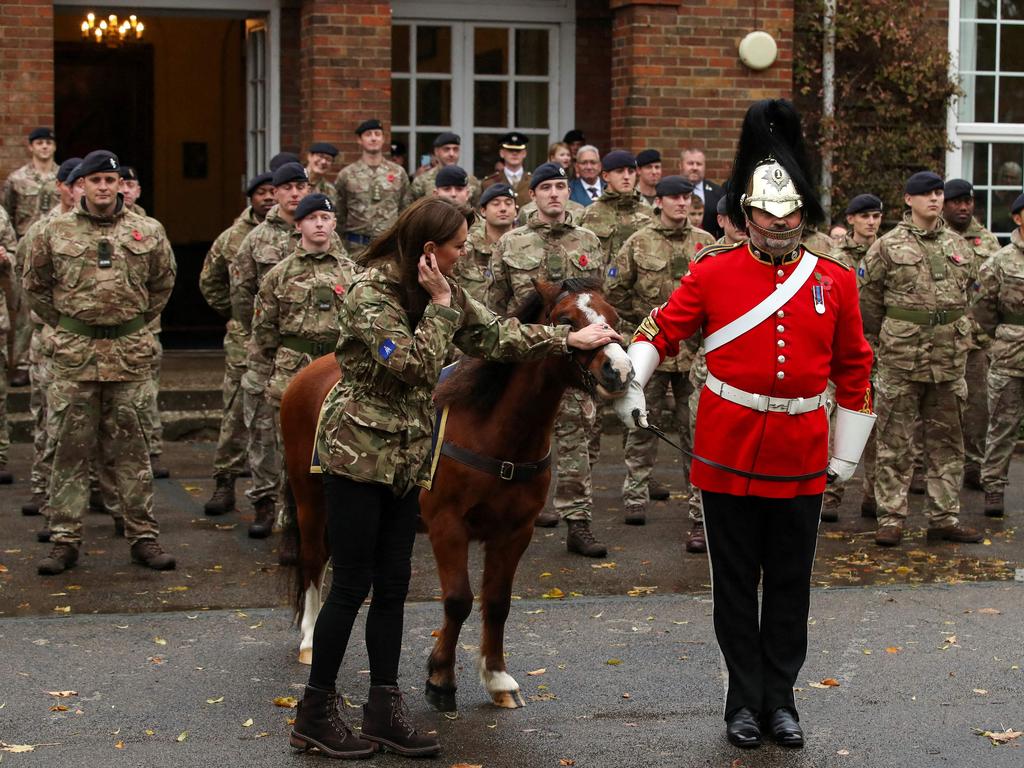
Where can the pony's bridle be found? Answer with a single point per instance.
(582, 358)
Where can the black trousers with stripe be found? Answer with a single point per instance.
(755, 540)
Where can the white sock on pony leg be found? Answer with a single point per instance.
(496, 681)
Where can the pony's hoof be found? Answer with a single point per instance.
(508, 699)
(306, 656)
(440, 698)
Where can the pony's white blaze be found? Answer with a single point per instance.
(616, 355)
(496, 681)
(583, 302)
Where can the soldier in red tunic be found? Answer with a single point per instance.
(779, 321)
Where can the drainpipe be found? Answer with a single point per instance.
(828, 104)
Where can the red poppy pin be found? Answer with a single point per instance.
(583, 260)
(826, 282)
(391, 177)
(957, 258)
(136, 235)
(339, 289)
(977, 241)
(699, 246)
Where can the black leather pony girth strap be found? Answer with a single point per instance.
(506, 470)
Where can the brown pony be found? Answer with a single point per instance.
(498, 427)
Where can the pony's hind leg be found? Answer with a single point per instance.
(500, 562)
(310, 610)
(451, 553)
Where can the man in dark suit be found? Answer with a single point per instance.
(708, 191)
(587, 185)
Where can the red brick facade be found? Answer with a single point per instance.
(26, 75)
(677, 80)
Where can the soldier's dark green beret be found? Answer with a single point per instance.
(127, 172)
(863, 203)
(281, 158)
(496, 190)
(96, 161)
(546, 172)
(66, 168)
(958, 188)
(451, 176)
(673, 185)
(447, 138)
(648, 156)
(258, 181)
(373, 124)
(313, 203)
(41, 133)
(323, 148)
(923, 182)
(290, 172)
(571, 137)
(617, 158)
(1017, 204)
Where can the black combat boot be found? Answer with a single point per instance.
(119, 527)
(972, 477)
(830, 510)
(35, 506)
(160, 472)
(96, 504)
(61, 557)
(6, 478)
(148, 553)
(657, 491)
(386, 722)
(318, 725)
(581, 540)
(994, 504)
(636, 514)
(263, 525)
(548, 518)
(223, 499)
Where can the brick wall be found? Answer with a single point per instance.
(677, 80)
(291, 71)
(594, 71)
(345, 70)
(26, 76)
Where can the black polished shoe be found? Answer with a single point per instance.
(742, 728)
(784, 728)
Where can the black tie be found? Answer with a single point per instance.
(593, 192)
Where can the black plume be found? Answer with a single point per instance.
(772, 128)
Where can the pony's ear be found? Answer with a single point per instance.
(548, 291)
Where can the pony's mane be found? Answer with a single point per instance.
(480, 384)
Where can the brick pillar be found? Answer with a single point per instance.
(593, 71)
(345, 71)
(26, 76)
(677, 80)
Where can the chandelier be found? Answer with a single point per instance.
(112, 31)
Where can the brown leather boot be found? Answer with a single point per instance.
(6, 478)
(119, 527)
(318, 725)
(889, 536)
(869, 508)
(830, 510)
(160, 472)
(223, 499)
(657, 491)
(148, 553)
(581, 540)
(386, 722)
(994, 504)
(35, 506)
(61, 557)
(636, 515)
(972, 477)
(548, 518)
(696, 542)
(263, 525)
(961, 534)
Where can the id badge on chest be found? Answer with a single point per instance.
(104, 254)
(324, 297)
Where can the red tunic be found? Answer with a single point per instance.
(794, 353)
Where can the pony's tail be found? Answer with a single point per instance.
(292, 534)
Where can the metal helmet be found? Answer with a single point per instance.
(771, 188)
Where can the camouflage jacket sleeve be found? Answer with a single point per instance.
(406, 199)
(244, 282)
(621, 276)
(266, 334)
(986, 307)
(39, 279)
(484, 334)
(214, 280)
(499, 294)
(162, 271)
(341, 197)
(9, 197)
(8, 236)
(872, 290)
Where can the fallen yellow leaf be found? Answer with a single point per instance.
(613, 662)
(641, 591)
(1000, 737)
(981, 691)
(62, 609)
(248, 723)
(537, 672)
(63, 694)
(566, 761)
(5, 747)
(288, 702)
(149, 732)
(990, 611)
(3, 568)
(182, 736)
(554, 594)
(59, 708)
(893, 649)
(218, 700)
(467, 765)
(159, 641)
(119, 744)
(831, 682)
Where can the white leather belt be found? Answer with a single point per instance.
(765, 403)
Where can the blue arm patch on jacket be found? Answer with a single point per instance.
(386, 348)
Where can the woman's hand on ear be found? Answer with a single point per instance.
(433, 281)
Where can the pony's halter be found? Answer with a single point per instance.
(581, 357)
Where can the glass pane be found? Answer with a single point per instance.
(401, 139)
(977, 47)
(1011, 51)
(975, 163)
(1008, 182)
(433, 102)
(1012, 9)
(424, 149)
(486, 157)
(1011, 99)
(490, 51)
(977, 105)
(490, 104)
(532, 51)
(536, 151)
(434, 49)
(978, 9)
(399, 102)
(400, 48)
(531, 105)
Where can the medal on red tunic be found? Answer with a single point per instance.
(819, 299)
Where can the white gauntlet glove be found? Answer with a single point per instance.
(852, 432)
(645, 359)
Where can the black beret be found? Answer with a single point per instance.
(290, 172)
(397, 148)
(369, 125)
(1017, 204)
(673, 185)
(281, 158)
(647, 157)
(451, 176)
(323, 148)
(66, 168)
(127, 172)
(513, 140)
(958, 188)
(317, 201)
(496, 190)
(862, 203)
(258, 181)
(447, 138)
(574, 135)
(75, 175)
(923, 182)
(722, 208)
(617, 158)
(547, 172)
(41, 133)
(96, 161)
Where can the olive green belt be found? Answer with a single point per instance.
(1011, 318)
(308, 346)
(102, 331)
(925, 317)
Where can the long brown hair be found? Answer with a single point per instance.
(429, 219)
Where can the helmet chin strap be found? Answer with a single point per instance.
(764, 235)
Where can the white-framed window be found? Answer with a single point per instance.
(256, 149)
(481, 77)
(986, 39)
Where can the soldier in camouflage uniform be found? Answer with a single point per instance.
(229, 461)
(8, 284)
(447, 149)
(295, 319)
(646, 270)
(100, 275)
(497, 216)
(863, 218)
(958, 212)
(621, 210)
(915, 295)
(372, 191)
(452, 184)
(551, 247)
(1000, 313)
(319, 161)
